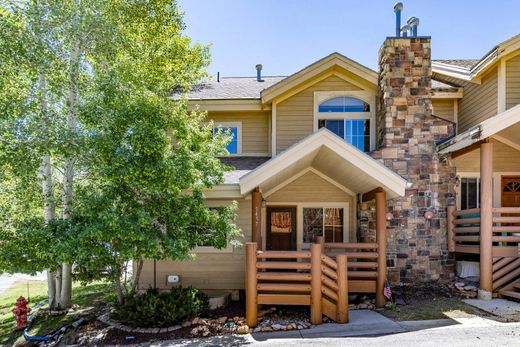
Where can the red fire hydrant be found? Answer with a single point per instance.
(20, 311)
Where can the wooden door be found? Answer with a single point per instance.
(510, 191)
(281, 228)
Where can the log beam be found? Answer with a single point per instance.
(256, 217)
(486, 221)
(381, 249)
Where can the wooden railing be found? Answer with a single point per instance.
(464, 231)
(296, 278)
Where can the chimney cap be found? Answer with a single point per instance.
(413, 21)
(258, 67)
(398, 6)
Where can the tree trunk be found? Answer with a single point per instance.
(119, 289)
(137, 275)
(49, 208)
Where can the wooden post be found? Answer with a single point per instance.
(342, 303)
(256, 217)
(316, 314)
(381, 247)
(450, 226)
(251, 292)
(486, 221)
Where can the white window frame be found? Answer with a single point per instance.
(299, 218)
(237, 125)
(210, 249)
(366, 96)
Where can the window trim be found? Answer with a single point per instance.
(237, 125)
(299, 221)
(210, 249)
(497, 179)
(367, 96)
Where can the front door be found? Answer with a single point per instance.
(510, 191)
(281, 228)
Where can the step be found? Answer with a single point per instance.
(510, 294)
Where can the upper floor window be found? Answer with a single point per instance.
(344, 104)
(354, 131)
(234, 130)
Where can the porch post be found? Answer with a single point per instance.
(256, 217)
(251, 282)
(381, 247)
(486, 221)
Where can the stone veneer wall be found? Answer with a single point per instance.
(407, 133)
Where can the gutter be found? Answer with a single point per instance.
(460, 141)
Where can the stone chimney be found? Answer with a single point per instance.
(407, 132)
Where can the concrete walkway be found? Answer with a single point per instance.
(506, 309)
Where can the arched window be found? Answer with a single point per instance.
(347, 117)
(344, 104)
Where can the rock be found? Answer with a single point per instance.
(243, 329)
(371, 306)
(277, 327)
(459, 284)
(362, 306)
(186, 324)
(291, 326)
(266, 329)
(203, 322)
(470, 287)
(352, 307)
(195, 320)
(471, 294)
(300, 327)
(236, 319)
(222, 320)
(325, 319)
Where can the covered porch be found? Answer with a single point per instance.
(490, 227)
(304, 248)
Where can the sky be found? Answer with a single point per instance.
(287, 35)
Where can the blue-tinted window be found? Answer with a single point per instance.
(354, 131)
(232, 146)
(344, 104)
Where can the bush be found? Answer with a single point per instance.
(155, 309)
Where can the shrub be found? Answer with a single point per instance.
(155, 309)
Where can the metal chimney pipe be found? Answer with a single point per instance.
(404, 31)
(413, 23)
(259, 72)
(398, 8)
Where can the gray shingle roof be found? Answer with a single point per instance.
(232, 88)
(465, 63)
(437, 84)
(242, 165)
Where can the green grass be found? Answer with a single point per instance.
(87, 297)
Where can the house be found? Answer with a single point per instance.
(408, 168)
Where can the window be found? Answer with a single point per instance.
(344, 104)
(469, 193)
(354, 131)
(347, 117)
(234, 130)
(327, 222)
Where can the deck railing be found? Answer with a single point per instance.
(464, 228)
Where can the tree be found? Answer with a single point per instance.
(121, 163)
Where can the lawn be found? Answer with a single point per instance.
(89, 299)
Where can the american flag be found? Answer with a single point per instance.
(387, 291)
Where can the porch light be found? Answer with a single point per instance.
(389, 216)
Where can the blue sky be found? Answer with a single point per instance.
(287, 35)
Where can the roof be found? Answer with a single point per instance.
(242, 166)
(438, 84)
(333, 157)
(465, 63)
(231, 88)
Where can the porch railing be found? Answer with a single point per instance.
(464, 231)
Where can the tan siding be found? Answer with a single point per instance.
(255, 129)
(207, 270)
(513, 82)
(444, 109)
(505, 159)
(312, 188)
(294, 116)
(479, 102)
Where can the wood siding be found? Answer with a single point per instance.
(217, 270)
(513, 82)
(255, 129)
(444, 108)
(312, 188)
(479, 102)
(505, 159)
(294, 116)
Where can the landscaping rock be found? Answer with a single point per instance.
(243, 329)
(222, 320)
(186, 324)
